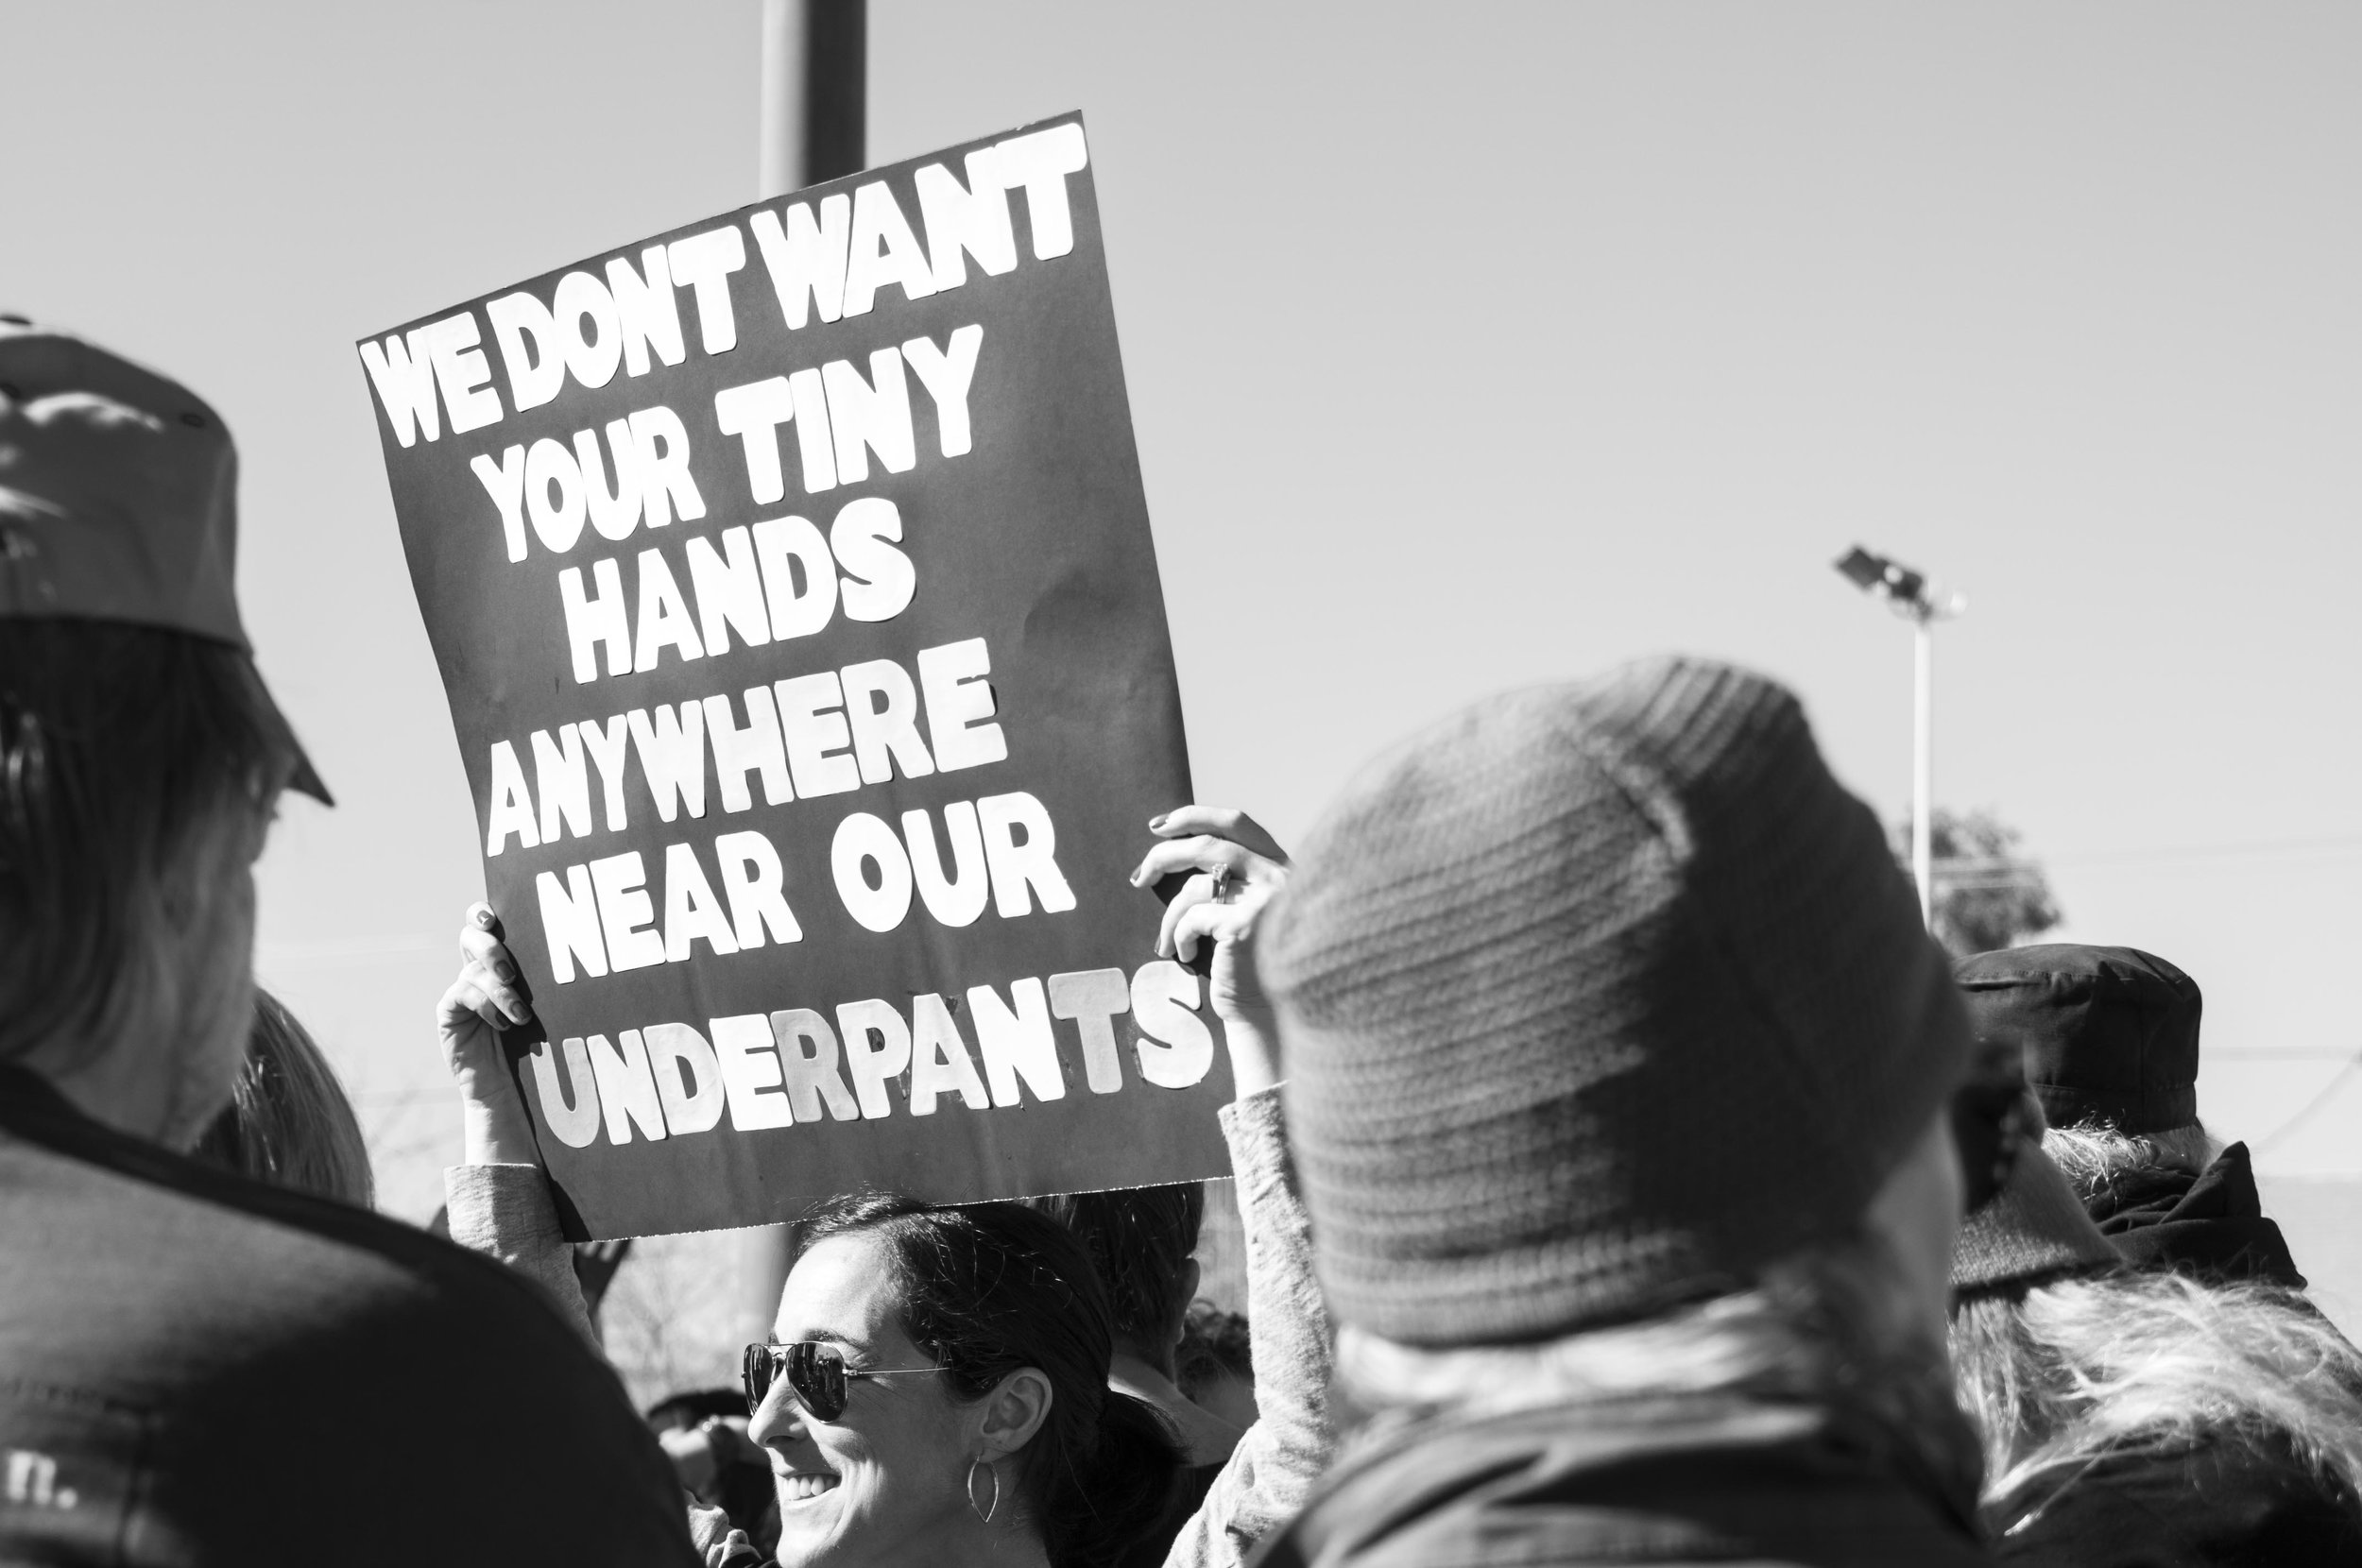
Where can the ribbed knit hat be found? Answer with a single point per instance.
(1596, 999)
(2107, 1034)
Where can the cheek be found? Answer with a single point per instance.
(912, 1449)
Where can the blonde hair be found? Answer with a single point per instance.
(1827, 1325)
(2070, 1373)
(288, 1122)
(2094, 1156)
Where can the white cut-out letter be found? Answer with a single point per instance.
(1017, 1044)
(754, 413)
(947, 374)
(505, 482)
(1175, 1049)
(703, 264)
(1040, 161)
(511, 810)
(975, 219)
(862, 840)
(529, 348)
(959, 700)
(870, 1066)
(570, 925)
(749, 1062)
(755, 883)
(1092, 997)
(1020, 846)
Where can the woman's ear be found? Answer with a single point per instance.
(1185, 1286)
(1015, 1411)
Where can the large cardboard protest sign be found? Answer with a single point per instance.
(791, 580)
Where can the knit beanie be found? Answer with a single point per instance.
(1598, 998)
(2107, 1034)
(2033, 1229)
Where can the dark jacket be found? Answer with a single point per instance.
(1690, 1481)
(198, 1369)
(2229, 1503)
(2211, 1225)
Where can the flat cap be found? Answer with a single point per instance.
(2108, 1034)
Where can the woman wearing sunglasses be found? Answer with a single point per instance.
(934, 1391)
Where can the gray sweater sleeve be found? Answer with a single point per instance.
(504, 1211)
(1272, 1471)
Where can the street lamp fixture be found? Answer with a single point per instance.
(1908, 594)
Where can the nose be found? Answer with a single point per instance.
(779, 1421)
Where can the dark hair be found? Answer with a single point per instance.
(288, 1121)
(1139, 1239)
(1215, 1344)
(120, 747)
(992, 1287)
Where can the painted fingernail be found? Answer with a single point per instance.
(1159, 820)
(484, 918)
(504, 969)
(519, 1012)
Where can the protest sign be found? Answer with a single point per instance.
(790, 580)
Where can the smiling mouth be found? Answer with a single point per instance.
(805, 1485)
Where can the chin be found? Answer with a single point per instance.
(811, 1521)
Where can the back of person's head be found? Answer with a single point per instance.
(289, 1123)
(2092, 1383)
(2099, 1158)
(1598, 1001)
(136, 767)
(1214, 1364)
(1612, 1032)
(139, 755)
(2108, 1035)
(1143, 1241)
(989, 1288)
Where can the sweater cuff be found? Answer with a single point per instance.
(499, 1209)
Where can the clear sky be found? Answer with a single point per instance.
(1468, 346)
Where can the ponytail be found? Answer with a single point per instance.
(1095, 1510)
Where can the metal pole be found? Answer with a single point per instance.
(814, 94)
(810, 128)
(1923, 764)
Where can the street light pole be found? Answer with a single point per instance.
(1923, 764)
(815, 71)
(1912, 596)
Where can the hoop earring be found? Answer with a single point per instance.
(984, 1515)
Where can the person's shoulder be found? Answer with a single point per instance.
(114, 1216)
(260, 1371)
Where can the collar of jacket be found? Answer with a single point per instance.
(1692, 1478)
(2212, 1223)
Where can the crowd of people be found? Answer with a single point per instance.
(1627, 1177)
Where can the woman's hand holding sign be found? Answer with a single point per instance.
(489, 995)
(1237, 867)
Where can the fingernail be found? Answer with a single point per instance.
(519, 1012)
(1159, 820)
(484, 918)
(504, 969)
(1135, 878)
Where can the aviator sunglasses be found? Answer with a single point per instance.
(816, 1371)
